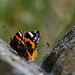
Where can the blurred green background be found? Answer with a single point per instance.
(51, 17)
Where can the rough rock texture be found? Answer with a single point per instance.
(12, 64)
(61, 59)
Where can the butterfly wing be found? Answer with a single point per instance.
(18, 43)
(32, 39)
(25, 44)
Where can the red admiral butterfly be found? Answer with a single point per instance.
(26, 44)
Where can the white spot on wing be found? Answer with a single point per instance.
(34, 31)
(30, 34)
(35, 38)
(20, 34)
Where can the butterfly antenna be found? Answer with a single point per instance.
(7, 30)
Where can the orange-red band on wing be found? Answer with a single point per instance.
(20, 40)
(31, 42)
(31, 58)
(34, 53)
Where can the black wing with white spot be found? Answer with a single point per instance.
(33, 36)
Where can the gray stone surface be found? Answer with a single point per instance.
(12, 64)
(61, 59)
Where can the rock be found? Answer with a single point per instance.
(12, 64)
(61, 59)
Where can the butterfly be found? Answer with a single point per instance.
(25, 44)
